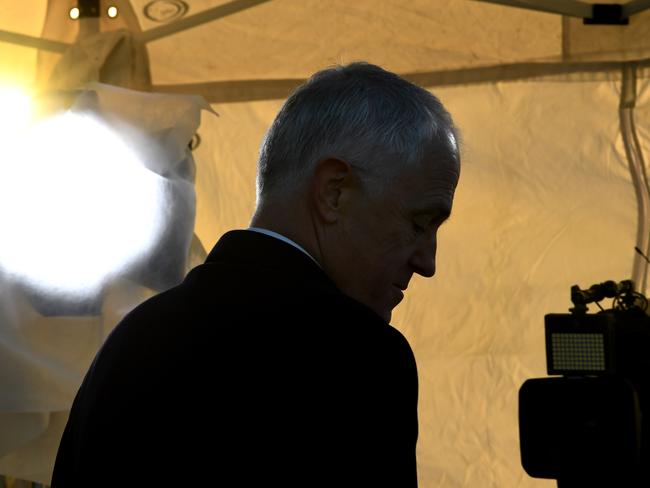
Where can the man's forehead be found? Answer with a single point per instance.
(430, 187)
(443, 146)
(434, 175)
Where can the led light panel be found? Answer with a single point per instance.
(578, 351)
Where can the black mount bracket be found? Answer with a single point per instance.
(88, 8)
(606, 14)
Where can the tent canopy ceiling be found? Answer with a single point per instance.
(267, 46)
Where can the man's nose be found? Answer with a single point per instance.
(423, 260)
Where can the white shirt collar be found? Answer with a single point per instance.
(284, 239)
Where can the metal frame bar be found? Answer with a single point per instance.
(198, 19)
(571, 8)
(634, 154)
(634, 7)
(126, 11)
(278, 89)
(35, 42)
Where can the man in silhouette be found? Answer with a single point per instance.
(274, 364)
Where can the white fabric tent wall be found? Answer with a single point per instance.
(545, 198)
(538, 211)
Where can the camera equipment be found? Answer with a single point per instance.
(585, 426)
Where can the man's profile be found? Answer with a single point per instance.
(274, 364)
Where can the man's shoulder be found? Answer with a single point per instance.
(278, 294)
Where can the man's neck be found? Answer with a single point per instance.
(276, 220)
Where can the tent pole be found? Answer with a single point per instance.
(571, 8)
(35, 42)
(198, 19)
(88, 18)
(634, 7)
(636, 163)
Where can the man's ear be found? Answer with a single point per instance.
(331, 188)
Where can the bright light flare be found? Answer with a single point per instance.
(74, 13)
(112, 12)
(15, 111)
(76, 206)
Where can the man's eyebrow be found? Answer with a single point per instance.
(441, 214)
(435, 209)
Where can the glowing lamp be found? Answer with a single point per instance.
(76, 205)
(16, 110)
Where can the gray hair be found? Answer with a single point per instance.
(374, 120)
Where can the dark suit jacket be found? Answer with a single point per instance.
(256, 371)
